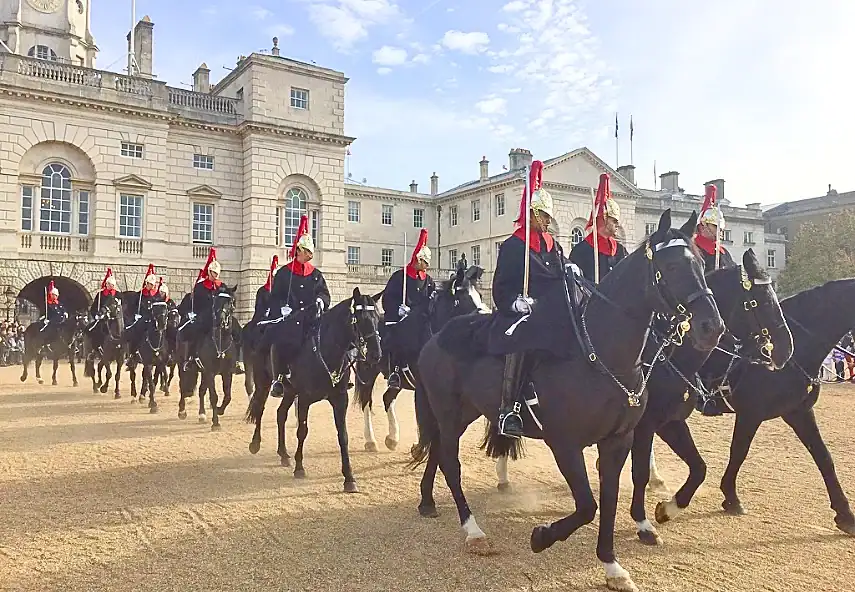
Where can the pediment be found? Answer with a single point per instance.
(583, 168)
(132, 182)
(204, 191)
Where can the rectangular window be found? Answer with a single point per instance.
(386, 257)
(452, 217)
(132, 150)
(650, 228)
(203, 223)
(748, 237)
(55, 207)
(476, 255)
(386, 217)
(353, 255)
(476, 210)
(130, 216)
(500, 204)
(452, 258)
(203, 161)
(315, 226)
(26, 207)
(418, 218)
(353, 211)
(83, 212)
(726, 236)
(770, 259)
(299, 98)
(279, 227)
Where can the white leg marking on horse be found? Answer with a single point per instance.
(502, 470)
(656, 481)
(617, 578)
(202, 415)
(369, 426)
(644, 526)
(394, 430)
(472, 530)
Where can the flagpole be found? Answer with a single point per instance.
(631, 134)
(594, 215)
(527, 198)
(718, 231)
(404, 298)
(617, 143)
(655, 179)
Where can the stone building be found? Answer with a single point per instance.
(103, 169)
(785, 220)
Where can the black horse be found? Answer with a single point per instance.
(68, 339)
(251, 335)
(152, 351)
(216, 352)
(595, 397)
(818, 319)
(456, 296)
(107, 343)
(321, 371)
(164, 374)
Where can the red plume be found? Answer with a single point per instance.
(709, 199)
(411, 266)
(301, 230)
(148, 273)
(604, 193)
(104, 281)
(273, 265)
(212, 254)
(535, 182)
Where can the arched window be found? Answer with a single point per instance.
(42, 52)
(55, 204)
(295, 207)
(576, 236)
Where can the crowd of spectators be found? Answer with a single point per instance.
(11, 343)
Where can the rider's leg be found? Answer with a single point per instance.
(510, 421)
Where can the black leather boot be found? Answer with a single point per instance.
(510, 421)
(394, 380)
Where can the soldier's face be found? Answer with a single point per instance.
(540, 221)
(421, 265)
(213, 275)
(609, 226)
(304, 256)
(149, 286)
(708, 231)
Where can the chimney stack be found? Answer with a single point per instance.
(484, 168)
(670, 181)
(519, 158)
(275, 50)
(434, 184)
(414, 187)
(627, 171)
(202, 79)
(719, 188)
(143, 47)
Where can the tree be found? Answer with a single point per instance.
(821, 251)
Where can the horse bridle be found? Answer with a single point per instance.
(760, 335)
(223, 325)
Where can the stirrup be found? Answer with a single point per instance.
(515, 418)
(277, 389)
(394, 380)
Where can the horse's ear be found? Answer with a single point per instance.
(474, 273)
(356, 293)
(665, 221)
(691, 224)
(234, 290)
(378, 296)
(751, 264)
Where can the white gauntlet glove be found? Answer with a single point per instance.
(522, 305)
(403, 311)
(191, 316)
(320, 304)
(286, 311)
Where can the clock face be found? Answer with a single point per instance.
(47, 6)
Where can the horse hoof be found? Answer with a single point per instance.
(153, 409)
(504, 487)
(428, 512)
(649, 537)
(846, 524)
(540, 539)
(203, 419)
(666, 511)
(103, 389)
(216, 427)
(74, 383)
(481, 546)
(117, 396)
(370, 447)
(621, 584)
(221, 410)
(254, 447)
(391, 444)
(299, 473)
(350, 487)
(733, 508)
(23, 378)
(54, 382)
(285, 461)
(182, 415)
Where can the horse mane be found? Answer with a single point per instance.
(796, 303)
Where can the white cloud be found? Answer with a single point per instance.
(421, 58)
(390, 56)
(280, 30)
(515, 6)
(260, 13)
(346, 22)
(492, 106)
(471, 43)
(384, 71)
(500, 69)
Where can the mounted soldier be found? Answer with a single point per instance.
(140, 303)
(532, 318)
(609, 251)
(107, 295)
(708, 236)
(299, 296)
(201, 316)
(406, 311)
(55, 314)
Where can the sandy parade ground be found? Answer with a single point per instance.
(98, 494)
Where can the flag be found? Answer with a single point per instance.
(504, 167)
(348, 151)
(631, 129)
(616, 125)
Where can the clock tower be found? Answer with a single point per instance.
(49, 29)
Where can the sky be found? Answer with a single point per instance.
(757, 92)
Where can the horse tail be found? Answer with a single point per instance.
(428, 430)
(498, 446)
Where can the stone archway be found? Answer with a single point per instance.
(72, 295)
